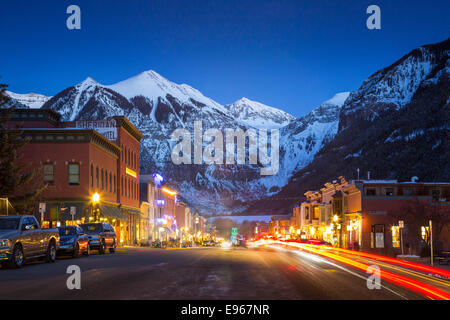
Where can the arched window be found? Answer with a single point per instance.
(92, 175)
(96, 176)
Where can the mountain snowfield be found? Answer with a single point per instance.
(31, 100)
(258, 115)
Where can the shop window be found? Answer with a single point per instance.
(371, 192)
(49, 176)
(316, 212)
(74, 174)
(377, 236)
(389, 192)
(435, 194)
(395, 237)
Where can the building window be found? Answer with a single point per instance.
(74, 173)
(395, 237)
(129, 189)
(49, 176)
(92, 175)
(121, 158)
(114, 183)
(121, 186)
(96, 176)
(389, 192)
(377, 236)
(129, 159)
(126, 158)
(435, 194)
(371, 192)
(103, 179)
(110, 182)
(106, 180)
(408, 192)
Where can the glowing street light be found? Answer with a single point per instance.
(335, 218)
(96, 197)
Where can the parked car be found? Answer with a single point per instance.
(74, 241)
(101, 236)
(22, 239)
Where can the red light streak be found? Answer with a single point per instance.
(411, 284)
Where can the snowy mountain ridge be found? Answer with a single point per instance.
(258, 115)
(32, 100)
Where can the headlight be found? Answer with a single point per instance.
(5, 243)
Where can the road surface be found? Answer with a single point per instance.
(197, 273)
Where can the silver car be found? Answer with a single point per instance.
(22, 239)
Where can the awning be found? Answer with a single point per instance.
(131, 211)
(111, 212)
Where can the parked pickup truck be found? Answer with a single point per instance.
(22, 239)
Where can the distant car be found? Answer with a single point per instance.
(22, 239)
(208, 243)
(101, 236)
(74, 241)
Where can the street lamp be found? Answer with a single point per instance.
(95, 200)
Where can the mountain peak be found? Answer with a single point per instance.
(88, 82)
(259, 115)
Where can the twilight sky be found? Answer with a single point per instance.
(288, 54)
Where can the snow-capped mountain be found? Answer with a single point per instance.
(394, 86)
(158, 106)
(258, 115)
(32, 100)
(395, 125)
(302, 138)
(88, 100)
(152, 86)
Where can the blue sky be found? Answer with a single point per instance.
(288, 54)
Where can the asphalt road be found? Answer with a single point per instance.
(196, 273)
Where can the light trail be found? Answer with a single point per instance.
(411, 284)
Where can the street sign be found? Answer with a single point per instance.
(42, 207)
(401, 224)
(234, 231)
(73, 211)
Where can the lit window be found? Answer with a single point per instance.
(389, 191)
(74, 174)
(395, 237)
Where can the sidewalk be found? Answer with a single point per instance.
(424, 261)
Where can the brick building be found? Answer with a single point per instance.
(79, 159)
(365, 214)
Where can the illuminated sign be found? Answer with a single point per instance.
(131, 172)
(168, 191)
(160, 203)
